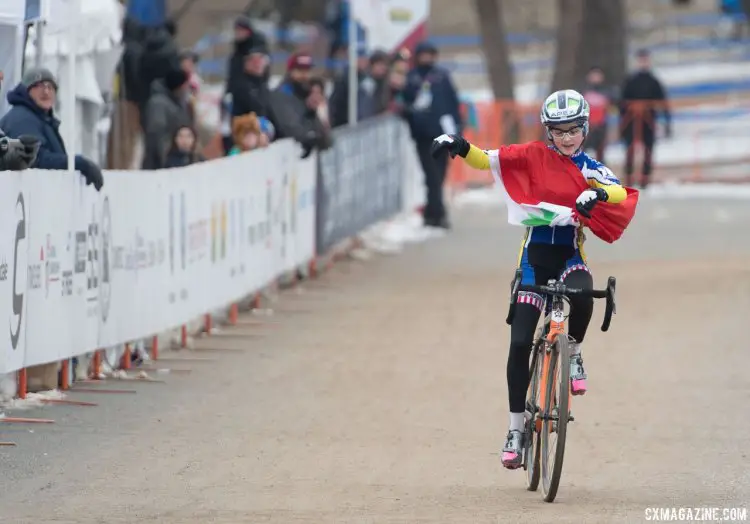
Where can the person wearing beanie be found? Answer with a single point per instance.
(246, 37)
(251, 93)
(166, 112)
(32, 115)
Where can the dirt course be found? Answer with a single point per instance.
(377, 394)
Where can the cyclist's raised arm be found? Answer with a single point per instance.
(514, 155)
(477, 158)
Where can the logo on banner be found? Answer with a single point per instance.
(51, 264)
(183, 232)
(232, 224)
(105, 270)
(223, 230)
(269, 214)
(214, 239)
(295, 200)
(15, 330)
(280, 217)
(171, 234)
(81, 250)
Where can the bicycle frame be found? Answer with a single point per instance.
(556, 328)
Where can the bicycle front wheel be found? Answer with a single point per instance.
(531, 444)
(555, 412)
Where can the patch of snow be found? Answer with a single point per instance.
(391, 236)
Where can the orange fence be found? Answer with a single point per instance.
(706, 144)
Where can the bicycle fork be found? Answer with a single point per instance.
(556, 329)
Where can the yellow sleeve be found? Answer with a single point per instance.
(477, 158)
(615, 192)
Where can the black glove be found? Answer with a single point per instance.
(588, 199)
(309, 142)
(307, 151)
(454, 144)
(90, 172)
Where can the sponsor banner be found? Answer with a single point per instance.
(81, 270)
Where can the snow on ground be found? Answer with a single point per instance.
(673, 76)
(391, 236)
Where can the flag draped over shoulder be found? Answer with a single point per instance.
(540, 188)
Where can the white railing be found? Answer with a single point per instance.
(82, 271)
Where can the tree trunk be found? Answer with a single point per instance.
(570, 36)
(602, 43)
(495, 48)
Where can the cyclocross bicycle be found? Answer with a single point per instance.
(548, 398)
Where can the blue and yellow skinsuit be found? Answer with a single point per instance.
(597, 175)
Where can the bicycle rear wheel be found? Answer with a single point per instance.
(555, 412)
(531, 444)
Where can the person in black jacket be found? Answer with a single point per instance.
(642, 95)
(432, 109)
(160, 54)
(245, 39)
(250, 92)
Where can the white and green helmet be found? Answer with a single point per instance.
(565, 107)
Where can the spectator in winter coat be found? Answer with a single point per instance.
(397, 81)
(184, 150)
(245, 39)
(378, 72)
(160, 54)
(642, 96)
(250, 92)
(166, 112)
(432, 109)
(298, 73)
(367, 105)
(132, 86)
(600, 98)
(31, 114)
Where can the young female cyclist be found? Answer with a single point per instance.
(547, 251)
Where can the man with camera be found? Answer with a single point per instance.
(31, 119)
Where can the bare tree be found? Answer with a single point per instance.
(590, 33)
(495, 47)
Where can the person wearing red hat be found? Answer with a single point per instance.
(298, 74)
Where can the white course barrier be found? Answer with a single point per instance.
(83, 270)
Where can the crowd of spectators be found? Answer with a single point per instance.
(298, 107)
(160, 81)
